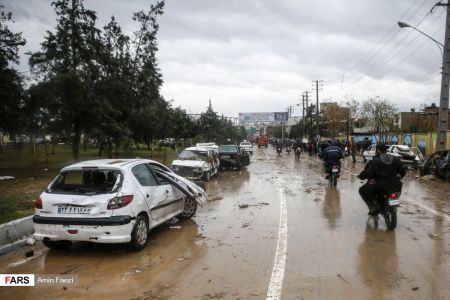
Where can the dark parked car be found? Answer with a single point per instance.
(437, 164)
(231, 156)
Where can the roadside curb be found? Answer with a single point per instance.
(13, 246)
(15, 230)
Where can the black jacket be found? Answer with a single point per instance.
(384, 169)
(333, 154)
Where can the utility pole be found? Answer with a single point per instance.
(317, 87)
(443, 105)
(306, 106)
(303, 114)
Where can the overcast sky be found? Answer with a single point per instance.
(260, 55)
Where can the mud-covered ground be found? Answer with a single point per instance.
(274, 229)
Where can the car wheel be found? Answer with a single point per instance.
(189, 210)
(56, 244)
(447, 175)
(239, 166)
(139, 235)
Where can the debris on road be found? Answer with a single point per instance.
(245, 205)
(183, 258)
(217, 198)
(29, 253)
(31, 242)
(245, 225)
(415, 288)
(340, 276)
(214, 296)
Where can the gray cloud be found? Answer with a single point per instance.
(259, 55)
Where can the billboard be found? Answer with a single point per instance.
(263, 117)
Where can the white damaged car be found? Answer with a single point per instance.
(196, 163)
(112, 201)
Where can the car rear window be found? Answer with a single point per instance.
(228, 149)
(87, 181)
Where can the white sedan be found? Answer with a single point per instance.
(247, 146)
(112, 201)
(369, 153)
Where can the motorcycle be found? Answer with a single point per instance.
(279, 149)
(297, 152)
(388, 202)
(333, 176)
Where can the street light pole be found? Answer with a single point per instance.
(443, 105)
(445, 81)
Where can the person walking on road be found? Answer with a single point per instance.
(353, 149)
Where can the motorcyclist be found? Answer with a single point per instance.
(383, 173)
(279, 146)
(332, 155)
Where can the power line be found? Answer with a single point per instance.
(361, 61)
(412, 53)
(389, 58)
(382, 59)
(383, 45)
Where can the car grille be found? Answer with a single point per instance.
(187, 172)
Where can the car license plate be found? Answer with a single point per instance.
(74, 210)
(335, 170)
(394, 202)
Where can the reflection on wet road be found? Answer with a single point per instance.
(334, 251)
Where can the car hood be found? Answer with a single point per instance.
(189, 163)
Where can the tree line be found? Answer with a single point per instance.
(95, 82)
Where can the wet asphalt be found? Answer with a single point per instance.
(231, 248)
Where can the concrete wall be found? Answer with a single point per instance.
(426, 142)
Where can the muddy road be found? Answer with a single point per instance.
(275, 230)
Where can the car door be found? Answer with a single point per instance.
(173, 205)
(155, 195)
(440, 163)
(431, 163)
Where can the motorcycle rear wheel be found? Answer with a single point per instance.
(390, 217)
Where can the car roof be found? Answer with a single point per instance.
(202, 149)
(107, 163)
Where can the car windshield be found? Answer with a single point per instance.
(227, 149)
(87, 181)
(192, 155)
